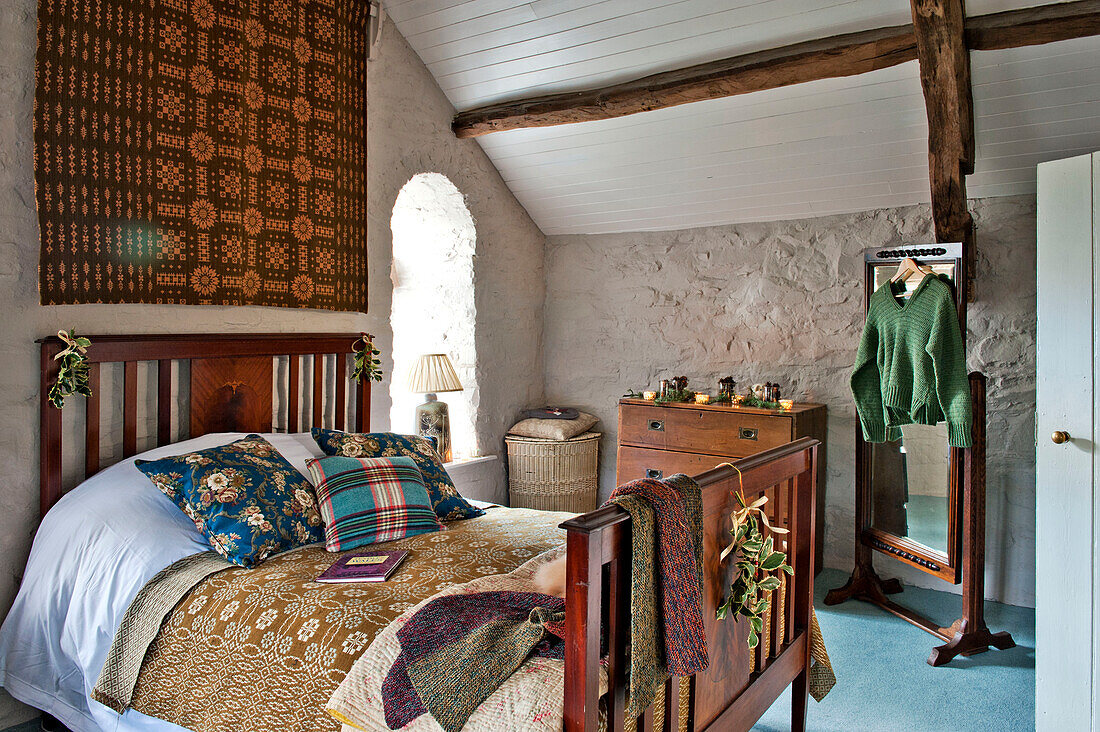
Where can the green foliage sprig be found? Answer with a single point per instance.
(756, 557)
(631, 394)
(367, 363)
(676, 395)
(751, 401)
(72, 369)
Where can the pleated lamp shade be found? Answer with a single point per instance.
(434, 373)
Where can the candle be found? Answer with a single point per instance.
(702, 398)
(738, 398)
(787, 404)
(649, 395)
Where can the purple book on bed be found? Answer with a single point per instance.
(363, 566)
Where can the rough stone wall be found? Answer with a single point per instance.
(409, 133)
(783, 302)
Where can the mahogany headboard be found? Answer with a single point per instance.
(232, 387)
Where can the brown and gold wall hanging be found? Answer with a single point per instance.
(202, 152)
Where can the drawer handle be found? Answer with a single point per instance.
(656, 425)
(654, 473)
(747, 433)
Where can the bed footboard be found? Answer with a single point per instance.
(741, 683)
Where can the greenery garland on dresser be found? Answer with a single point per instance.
(366, 363)
(673, 396)
(755, 403)
(682, 396)
(72, 369)
(756, 557)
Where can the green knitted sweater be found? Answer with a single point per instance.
(911, 365)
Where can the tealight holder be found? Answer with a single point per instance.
(649, 396)
(702, 398)
(786, 404)
(738, 399)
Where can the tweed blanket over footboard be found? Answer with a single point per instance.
(262, 650)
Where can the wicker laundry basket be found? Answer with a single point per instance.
(553, 475)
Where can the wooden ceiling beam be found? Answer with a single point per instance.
(1033, 26)
(844, 55)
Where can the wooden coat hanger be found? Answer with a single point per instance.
(907, 269)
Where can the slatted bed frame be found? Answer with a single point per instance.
(232, 380)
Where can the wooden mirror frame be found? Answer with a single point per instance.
(945, 566)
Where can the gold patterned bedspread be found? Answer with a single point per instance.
(263, 649)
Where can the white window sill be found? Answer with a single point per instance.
(480, 478)
(459, 463)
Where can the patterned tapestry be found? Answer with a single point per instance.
(204, 152)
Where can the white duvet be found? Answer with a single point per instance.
(94, 550)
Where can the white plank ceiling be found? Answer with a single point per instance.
(831, 146)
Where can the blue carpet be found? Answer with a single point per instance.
(884, 684)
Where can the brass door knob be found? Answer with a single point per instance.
(1059, 437)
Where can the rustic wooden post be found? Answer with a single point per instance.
(945, 79)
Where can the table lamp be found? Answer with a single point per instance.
(434, 373)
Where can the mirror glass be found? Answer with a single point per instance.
(885, 271)
(911, 485)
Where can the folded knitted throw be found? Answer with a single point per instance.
(458, 649)
(666, 514)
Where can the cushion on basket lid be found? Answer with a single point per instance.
(554, 429)
(446, 501)
(245, 497)
(370, 500)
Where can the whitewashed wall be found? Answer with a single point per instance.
(409, 133)
(782, 301)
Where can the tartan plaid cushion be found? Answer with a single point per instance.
(371, 500)
(448, 504)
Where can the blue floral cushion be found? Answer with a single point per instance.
(446, 501)
(244, 497)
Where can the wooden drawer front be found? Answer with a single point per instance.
(697, 430)
(639, 462)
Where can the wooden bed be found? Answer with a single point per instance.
(234, 383)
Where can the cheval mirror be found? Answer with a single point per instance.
(913, 485)
(919, 500)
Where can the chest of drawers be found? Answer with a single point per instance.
(660, 440)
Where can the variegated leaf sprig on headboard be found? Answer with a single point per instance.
(72, 371)
(367, 365)
(757, 562)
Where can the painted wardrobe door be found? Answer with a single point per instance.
(1065, 585)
